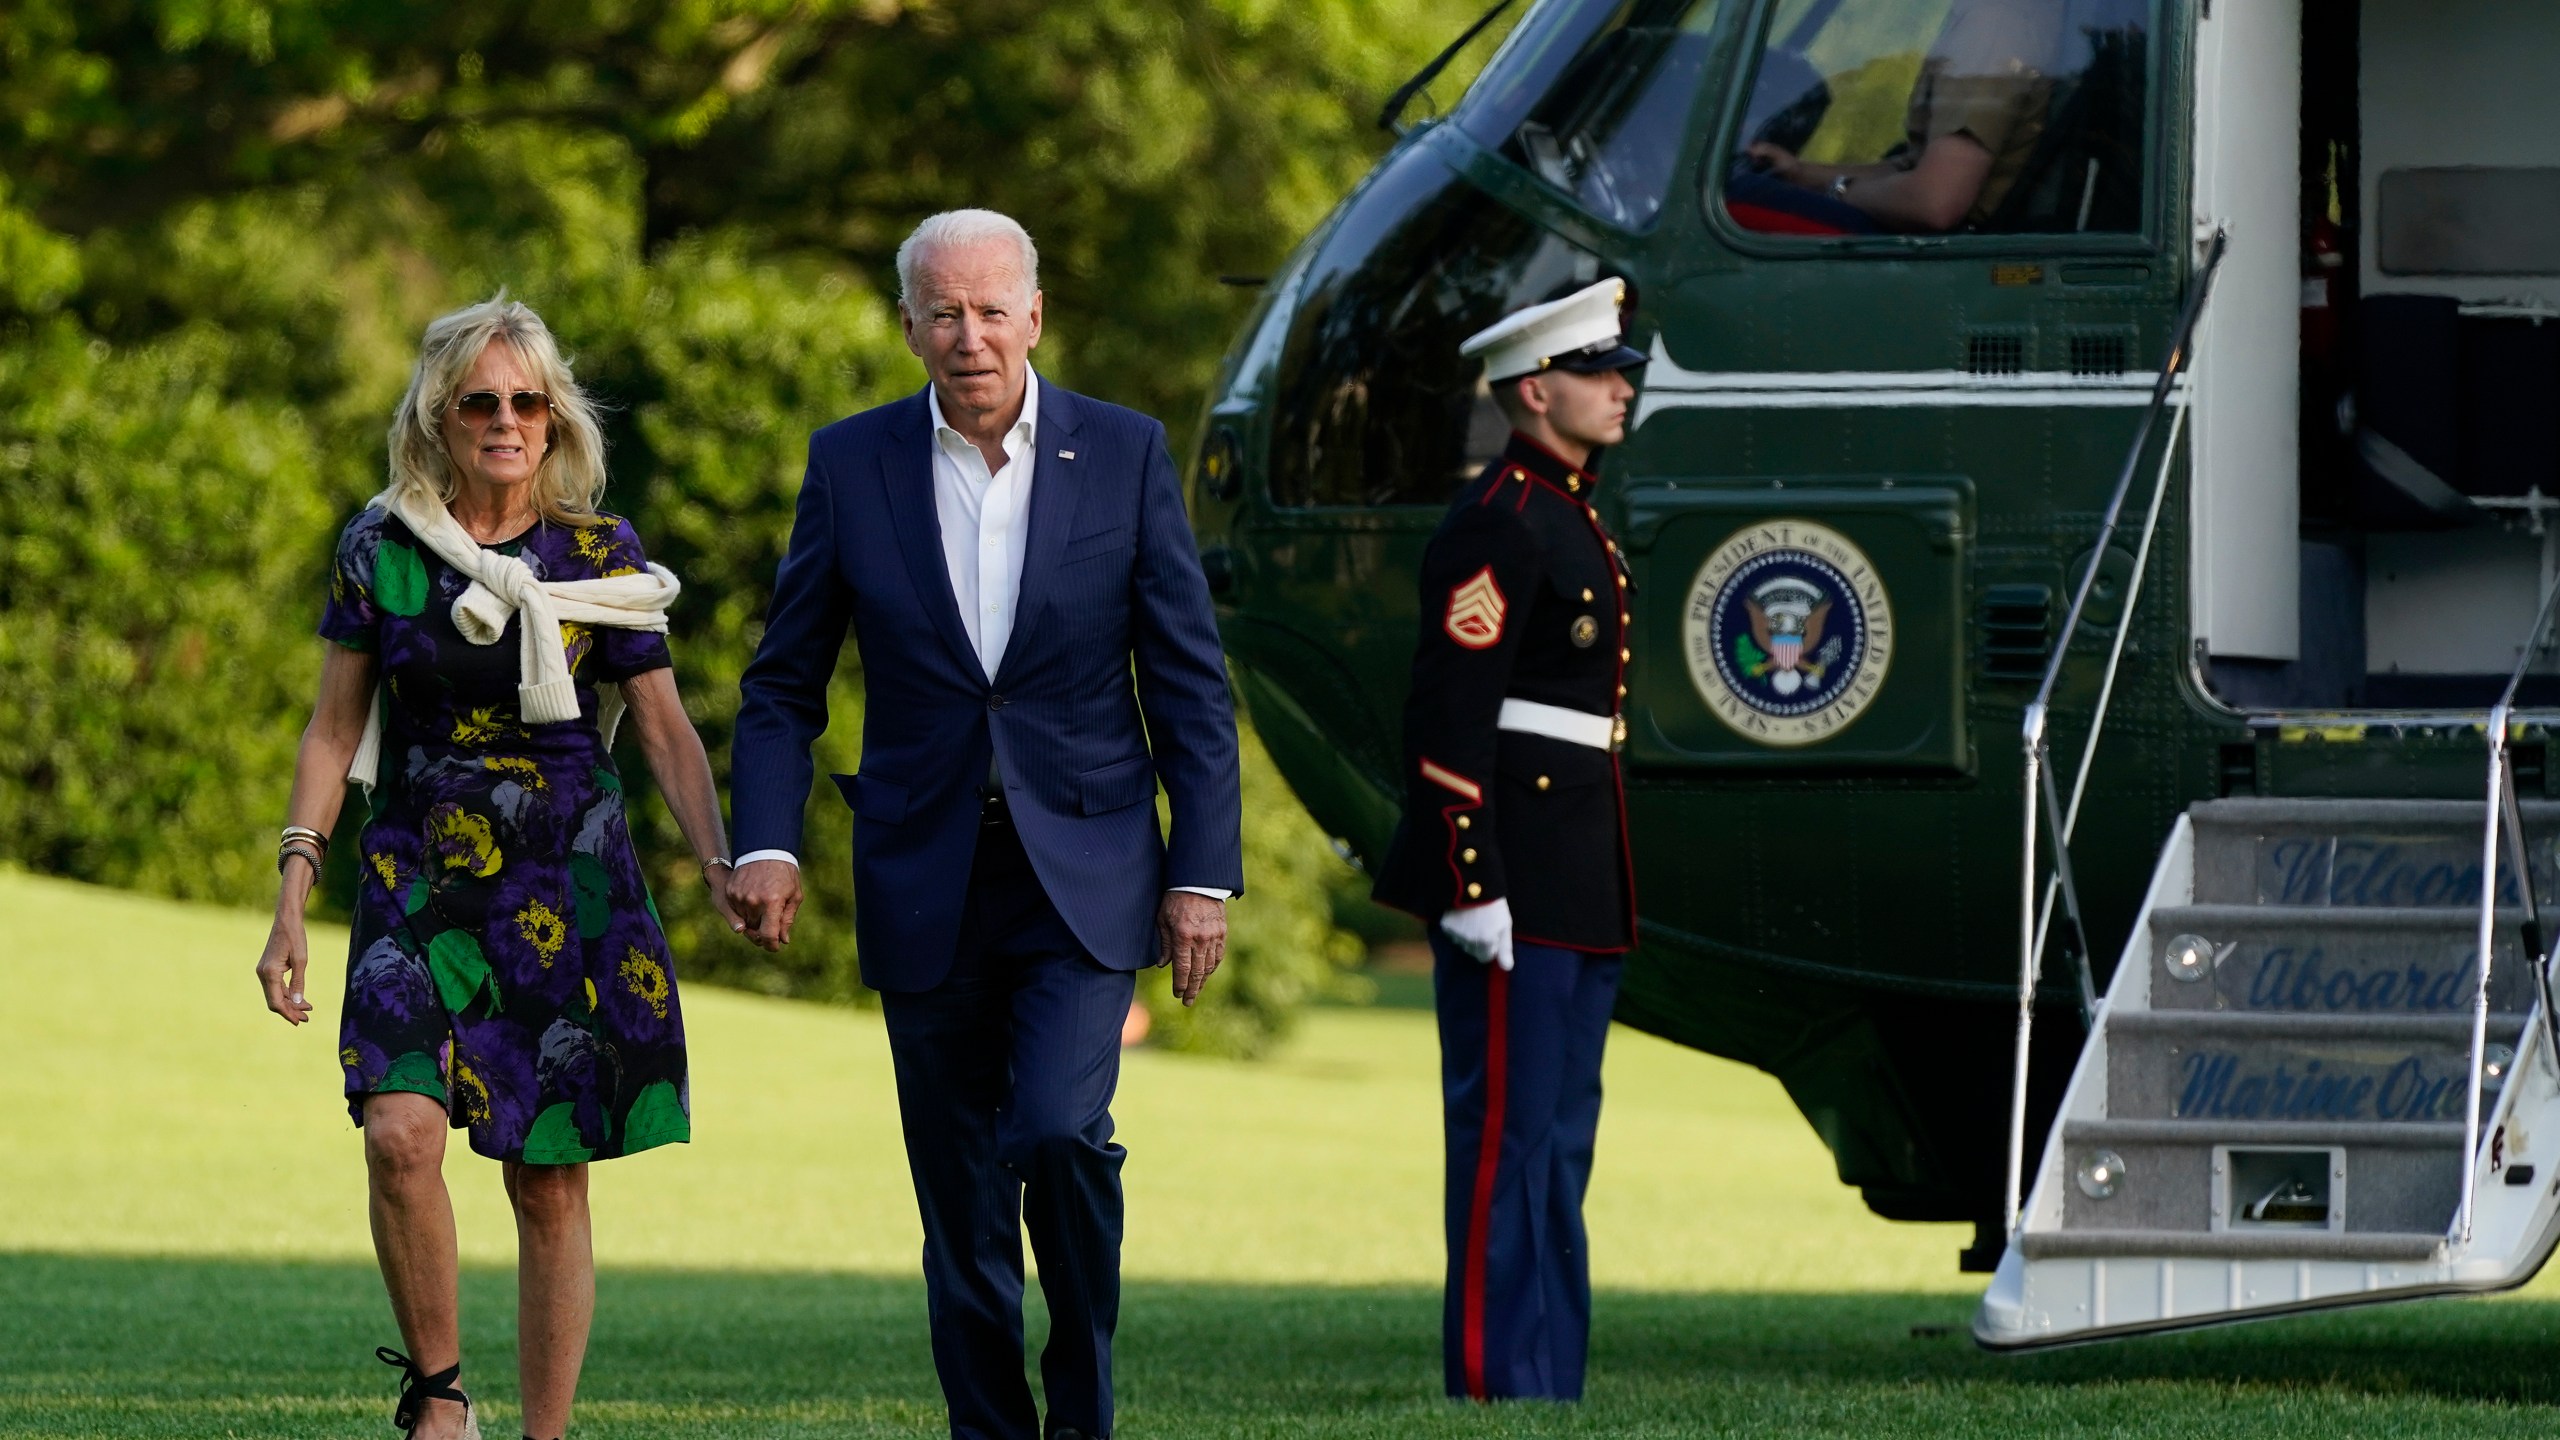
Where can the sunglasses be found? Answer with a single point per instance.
(532, 407)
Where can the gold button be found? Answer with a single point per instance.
(1474, 890)
(1613, 547)
(1572, 484)
(1622, 582)
(1542, 782)
(1467, 855)
(1622, 692)
(1625, 655)
(1622, 617)
(1586, 594)
(1462, 822)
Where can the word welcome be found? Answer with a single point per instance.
(2335, 870)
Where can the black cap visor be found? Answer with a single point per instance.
(1592, 360)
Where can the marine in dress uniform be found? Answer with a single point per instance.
(1514, 844)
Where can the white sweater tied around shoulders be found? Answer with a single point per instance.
(500, 586)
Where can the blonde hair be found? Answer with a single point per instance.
(571, 476)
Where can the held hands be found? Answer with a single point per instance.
(716, 875)
(1193, 930)
(764, 896)
(1483, 931)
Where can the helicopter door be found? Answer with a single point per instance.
(2246, 396)
(2459, 254)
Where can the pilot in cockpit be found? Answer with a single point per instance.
(1977, 111)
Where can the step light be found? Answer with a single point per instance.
(2100, 1174)
(2189, 958)
(2495, 1062)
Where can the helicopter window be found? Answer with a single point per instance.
(1595, 100)
(1941, 116)
(1375, 406)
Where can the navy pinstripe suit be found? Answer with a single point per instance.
(1004, 949)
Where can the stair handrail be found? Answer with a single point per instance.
(2504, 812)
(2039, 788)
(2070, 823)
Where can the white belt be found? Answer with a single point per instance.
(1577, 727)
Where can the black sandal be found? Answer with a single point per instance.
(418, 1387)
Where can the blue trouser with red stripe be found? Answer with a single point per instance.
(1520, 1093)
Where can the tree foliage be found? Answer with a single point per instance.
(1154, 145)
(223, 224)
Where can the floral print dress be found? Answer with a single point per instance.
(507, 960)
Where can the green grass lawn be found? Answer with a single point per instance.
(183, 1248)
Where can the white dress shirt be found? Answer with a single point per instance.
(986, 519)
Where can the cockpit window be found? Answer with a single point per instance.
(1595, 99)
(1935, 117)
(1372, 405)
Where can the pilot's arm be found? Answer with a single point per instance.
(1933, 196)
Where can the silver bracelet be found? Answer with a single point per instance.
(717, 860)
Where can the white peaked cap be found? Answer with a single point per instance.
(1578, 332)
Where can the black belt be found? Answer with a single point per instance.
(993, 811)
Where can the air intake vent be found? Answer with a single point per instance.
(1995, 354)
(2017, 631)
(2098, 354)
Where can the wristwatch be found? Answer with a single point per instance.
(1838, 189)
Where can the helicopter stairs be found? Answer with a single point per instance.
(2271, 1110)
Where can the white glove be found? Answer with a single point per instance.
(1483, 931)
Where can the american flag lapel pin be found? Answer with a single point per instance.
(1066, 454)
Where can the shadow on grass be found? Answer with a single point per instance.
(135, 1346)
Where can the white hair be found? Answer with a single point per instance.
(965, 227)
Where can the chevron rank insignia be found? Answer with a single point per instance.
(1475, 612)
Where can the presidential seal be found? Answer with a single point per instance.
(1788, 632)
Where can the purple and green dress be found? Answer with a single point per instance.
(507, 960)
